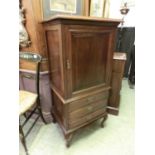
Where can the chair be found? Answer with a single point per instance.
(29, 102)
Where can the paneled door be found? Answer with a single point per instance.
(88, 58)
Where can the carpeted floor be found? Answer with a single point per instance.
(116, 138)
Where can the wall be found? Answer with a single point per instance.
(115, 6)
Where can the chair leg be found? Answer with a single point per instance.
(25, 116)
(40, 111)
(41, 114)
(22, 138)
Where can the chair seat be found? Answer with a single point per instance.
(26, 101)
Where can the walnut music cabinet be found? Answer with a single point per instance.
(80, 51)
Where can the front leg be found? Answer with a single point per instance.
(68, 138)
(104, 119)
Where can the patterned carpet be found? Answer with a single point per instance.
(116, 138)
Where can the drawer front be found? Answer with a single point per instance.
(86, 119)
(90, 108)
(27, 81)
(88, 100)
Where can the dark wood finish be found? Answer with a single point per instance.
(88, 100)
(117, 75)
(94, 73)
(80, 53)
(103, 120)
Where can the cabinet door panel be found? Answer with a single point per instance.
(90, 55)
(88, 60)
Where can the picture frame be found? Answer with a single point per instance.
(97, 8)
(55, 7)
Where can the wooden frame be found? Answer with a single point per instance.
(97, 8)
(54, 7)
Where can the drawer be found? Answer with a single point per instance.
(87, 100)
(27, 81)
(87, 119)
(27, 75)
(81, 112)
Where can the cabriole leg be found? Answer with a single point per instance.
(68, 138)
(103, 120)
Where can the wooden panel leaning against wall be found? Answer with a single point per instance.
(33, 16)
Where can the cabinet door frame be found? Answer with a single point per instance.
(69, 31)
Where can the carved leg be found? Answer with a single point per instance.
(22, 138)
(68, 138)
(104, 119)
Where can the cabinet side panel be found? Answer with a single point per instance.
(116, 82)
(59, 110)
(54, 49)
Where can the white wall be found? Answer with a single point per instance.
(130, 18)
(115, 6)
(114, 9)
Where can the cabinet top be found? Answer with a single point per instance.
(82, 18)
(119, 56)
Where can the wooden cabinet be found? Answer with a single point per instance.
(80, 51)
(119, 60)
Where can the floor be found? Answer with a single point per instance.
(116, 138)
